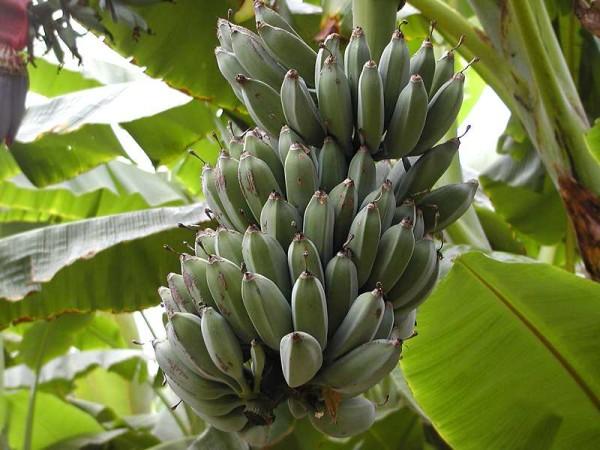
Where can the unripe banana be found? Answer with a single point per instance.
(269, 16)
(344, 199)
(205, 243)
(362, 171)
(408, 119)
(300, 110)
(228, 245)
(224, 34)
(393, 255)
(364, 239)
(363, 367)
(176, 370)
(335, 104)
(280, 219)
(304, 256)
(289, 49)
(263, 103)
(442, 111)
(301, 178)
(256, 144)
(394, 67)
(236, 147)
(428, 169)
(318, 224)
(287, 137)
(167, 301)
(268, 309)
(255, 58)
(257, 182)
(193, 270)
(217, 407)
(341, 282)
(397, 172)
(263, 254)
(297, 408)
(230, 67)
(387, 323)
(230, 192)
(224, 280)
(258, 360)
(356, 55)
(266, 436)
(423, 63)
(405, 324)
(405, 211)
(419, 271)
(419, 227)
(370, 108)
(180, 293)
(386, 203)
(331, 46)
(445, 205)
(223, 346)
(211, 194)
(332, 165)
(309, 307)
(359, 326)
(301, 358)
(444, 69)
(184, 332)
(382, 170)
(353, 416)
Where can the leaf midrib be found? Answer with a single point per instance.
(562, 361)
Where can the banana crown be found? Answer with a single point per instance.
(325, 246)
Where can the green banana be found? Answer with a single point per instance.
(301, 358)
(301, 178)
(304, 256)
(230, 67)
(176, 370)
(211, 194)
(297, 408)
(396, 172)
(309, 307)
(263, 254)
(181, 295)
(224, 34)
(382, 170)
(266, 436)
(423, 63)
(230, 192)
(236, 146)
(318, 224)
(205, 243)
(408, 119)
(223, 346)
(363, 367)
(217, 407)
(444, 69)
(255, 58)
(269, 16)
(353, 416)
(228, 245)
(442, 111)
(300, 110)
(362, 171)
(405, 324)
(364, 239)
(289, 49)
(193, 270)
(419, 227)
(233, 422)
(335, 104)
(268, 309)
(331, 46)
(224, 280)
(421, 268)
(257, 182)
(287, 137)
(167, 301)
(393, 255)
(370, 108)
(341, 283)
(184, 332)
(387, 323)
(332, 165)
(445, 205)
(428, 169)
(394, 67)
(263, 103)
(344, 199)
(359, 326)
(280, 219)
(405, 211)
(386, 203)
(258, 360)
(355, 56)
(256, 144)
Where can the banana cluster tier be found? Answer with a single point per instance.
(299, 301)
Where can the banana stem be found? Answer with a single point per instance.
(570, 248)
(378, 19)
(33, 392)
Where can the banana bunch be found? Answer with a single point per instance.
(299, 301)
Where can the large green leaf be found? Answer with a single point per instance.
(55, 265)
(508, 356)
(47, 79)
